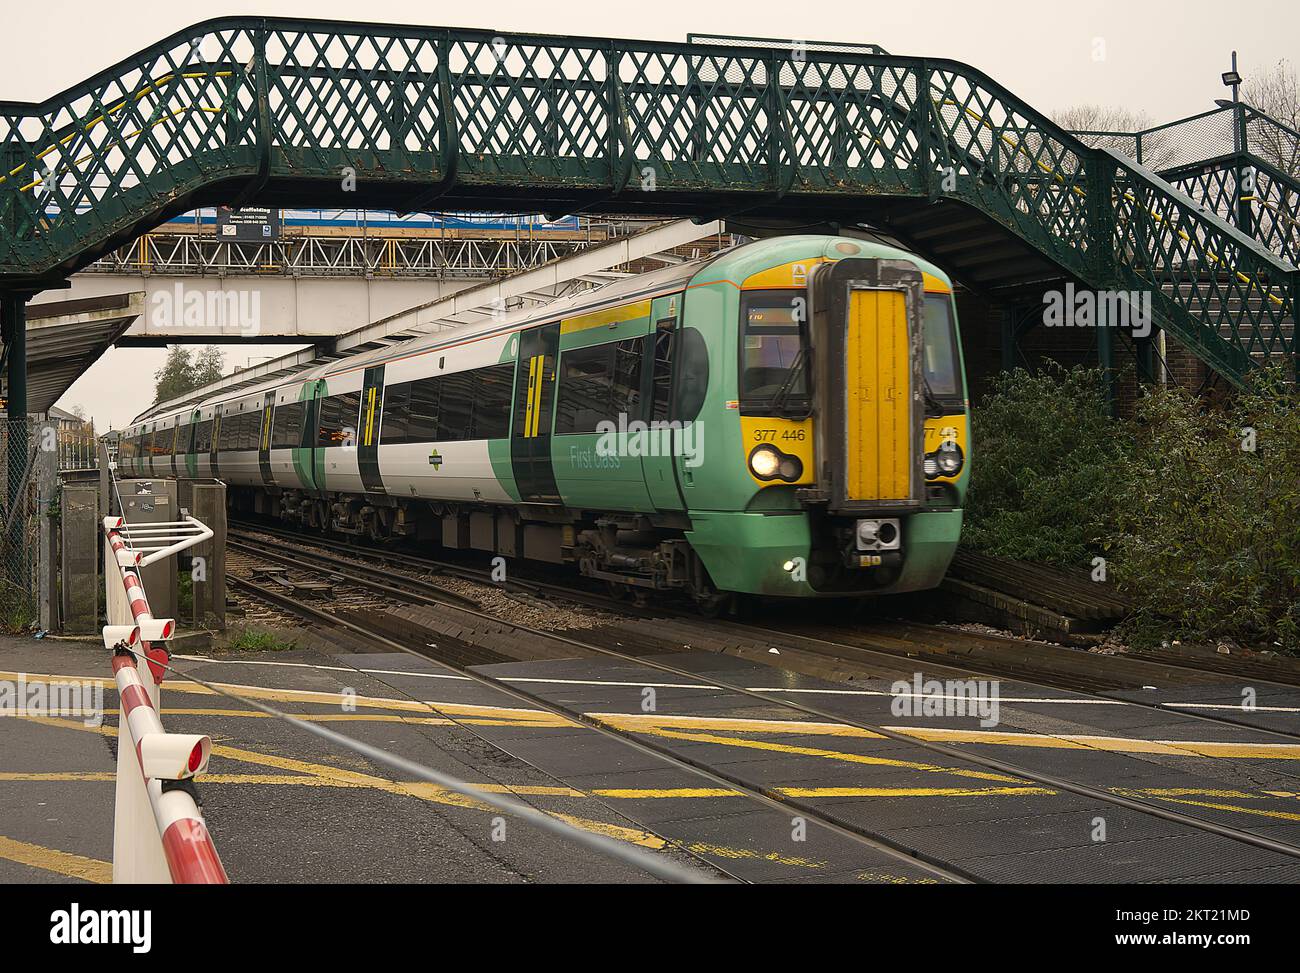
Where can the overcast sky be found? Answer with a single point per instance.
(1162, 58)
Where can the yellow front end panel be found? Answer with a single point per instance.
(878, 397)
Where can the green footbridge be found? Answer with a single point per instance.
(238, 111)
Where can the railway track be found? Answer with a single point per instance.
(795, 647)
(460, 664)
(873, 642)
(889, 649)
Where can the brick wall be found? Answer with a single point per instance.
(981, 326)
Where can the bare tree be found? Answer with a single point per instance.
(1275, 92)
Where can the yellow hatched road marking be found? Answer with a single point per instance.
(1219, 806)
(532, 716)
(737, 854)
(1177, 795)
(422, 790)
(1079, 741)
(313, 774)
(912, 791)
(856, 758)
(508, 715)
(729, 723)
(59, 862)
(349, 717)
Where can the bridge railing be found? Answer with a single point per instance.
(1240, 162)
(287, 111)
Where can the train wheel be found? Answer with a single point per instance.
(742, 607)
(714, 604)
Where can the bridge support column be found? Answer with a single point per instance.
(1146, 358)
(1009, 335)
(1106, 355)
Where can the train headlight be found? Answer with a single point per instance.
(949, 458)
(765, 462)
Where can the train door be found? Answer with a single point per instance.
(867, 315)
(264, 439)
(372, 410)
(309, 458)
(191, 434)
(215, 448)
(530, 433)
(659, 461)
(177, 445)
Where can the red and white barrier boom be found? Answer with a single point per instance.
(159, 835)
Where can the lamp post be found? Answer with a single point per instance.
(1245, 193)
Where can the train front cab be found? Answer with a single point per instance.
(871, 445)
(886, 510)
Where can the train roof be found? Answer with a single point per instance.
(613, 293)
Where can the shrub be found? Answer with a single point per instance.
(1046, 454)
(1207, 538)
(1195, 505)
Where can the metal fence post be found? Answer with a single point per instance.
(47, 512)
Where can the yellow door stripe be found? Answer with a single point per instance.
(528, 402)
(537, 395)
(370, 416)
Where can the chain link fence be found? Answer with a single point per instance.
(19, 525)
(1195, 139)
(1209, 135)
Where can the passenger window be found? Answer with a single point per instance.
(492, 401)
(338, 419)
(599, 383)
(286, 425)
(586, 375)
(395, 418)
(661, 388)
(425, 400)
(457, 407)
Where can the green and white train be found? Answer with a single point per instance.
(786, 418)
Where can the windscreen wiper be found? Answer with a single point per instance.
(934, 408)
(796, 369)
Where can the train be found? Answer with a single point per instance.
(787, 418)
